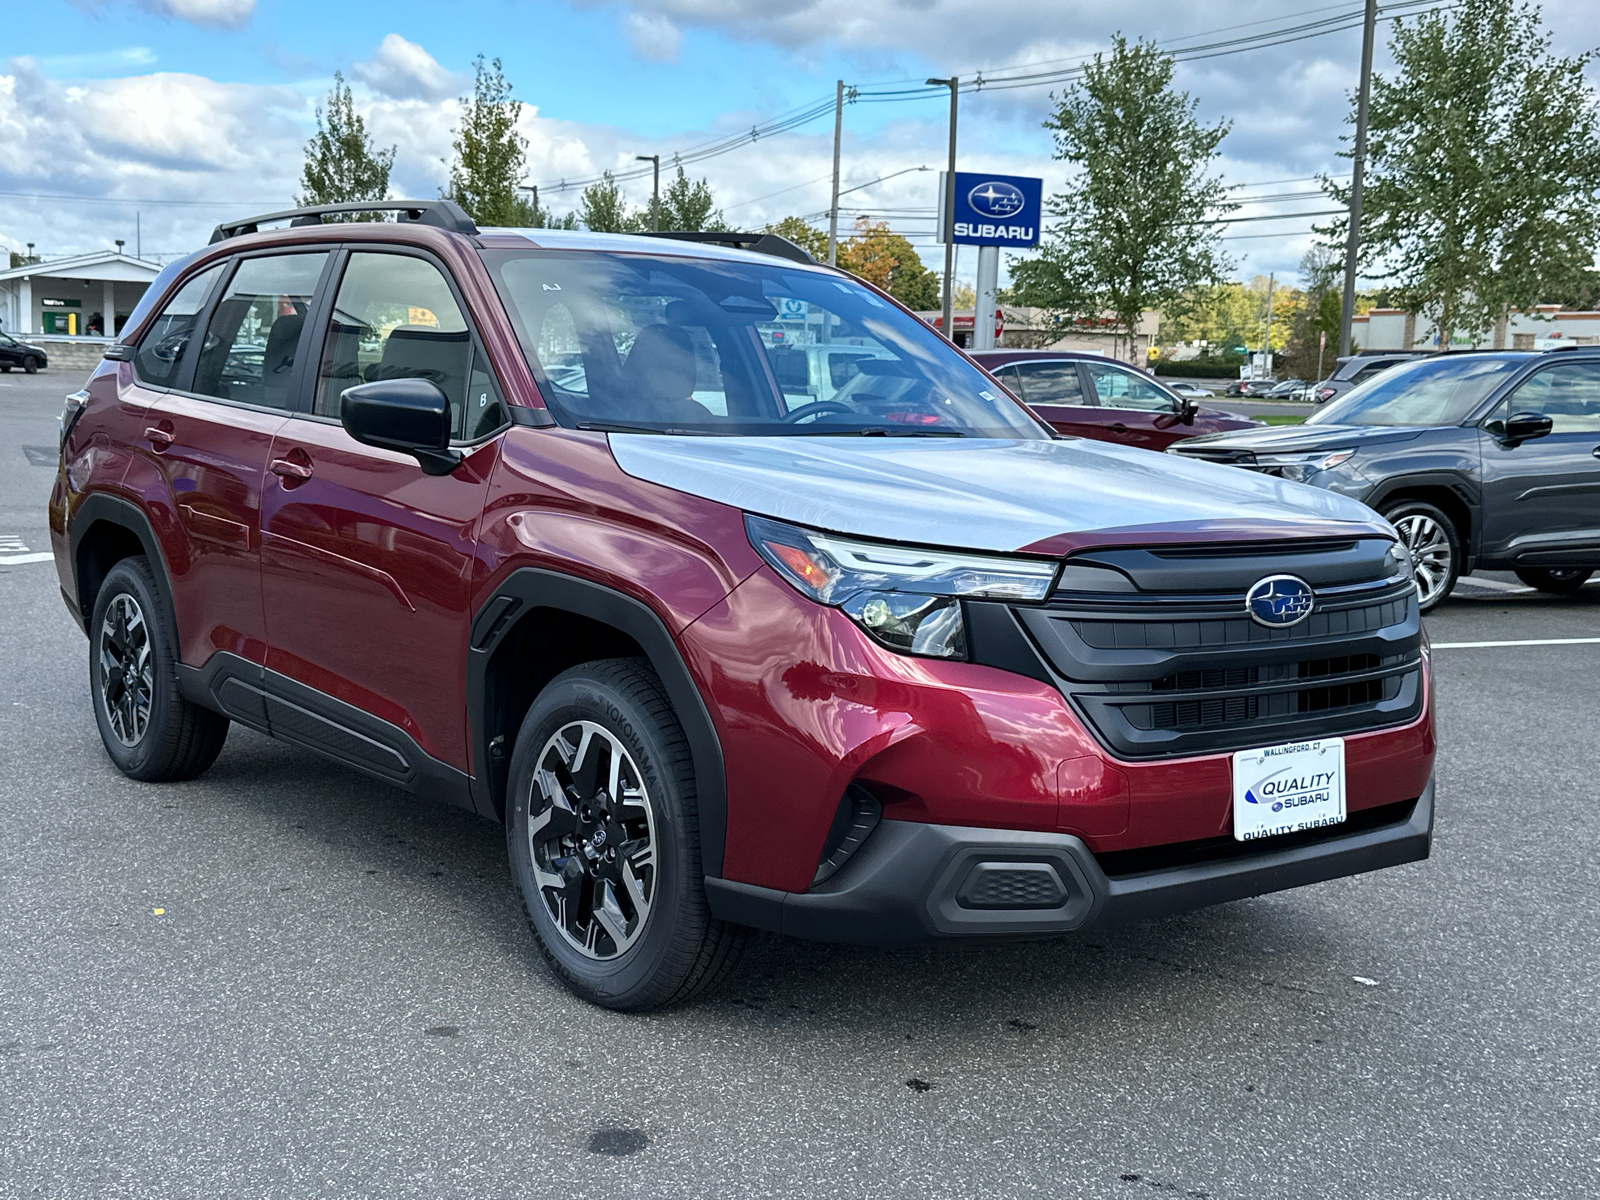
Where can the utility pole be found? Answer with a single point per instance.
(655, 190)
(1347, 311)
(833, 207)
(948, 232)
(1266, 339)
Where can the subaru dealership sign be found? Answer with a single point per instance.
(996, 210)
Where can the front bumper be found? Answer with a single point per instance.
(913, 882)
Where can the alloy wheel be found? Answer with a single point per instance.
(127, 669)
(591, 836)
(1431, 555)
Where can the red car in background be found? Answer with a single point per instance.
(1089, 395)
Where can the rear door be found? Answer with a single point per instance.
(1542, 497)
(211, 436)
(366, 560)
(1053, 388)
(1137, 410)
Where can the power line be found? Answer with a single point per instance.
(1345, 18)
(129, 200)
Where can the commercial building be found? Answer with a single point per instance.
(71, 306)
(1020, 327)
(1546, 327)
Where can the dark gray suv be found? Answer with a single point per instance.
(1482, 462)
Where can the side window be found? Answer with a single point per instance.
(1569, 394)
(1009, 380)
(1123, 389)
(1050, 382)
(249, 348)
(161, 349)
(396, 318)
(485, 411)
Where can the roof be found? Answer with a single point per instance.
(623, 243)
(102, 264)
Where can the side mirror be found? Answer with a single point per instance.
(1182, 416)
(408, 415)
(1522, 427)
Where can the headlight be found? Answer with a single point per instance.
(906, 597)
(1400, 563)
(1302, 466)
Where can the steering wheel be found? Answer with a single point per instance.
(814, 409)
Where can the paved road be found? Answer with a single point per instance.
(338, 997)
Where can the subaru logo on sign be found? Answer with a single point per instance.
(1279, 601)
(995, 199)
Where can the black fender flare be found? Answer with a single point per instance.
(100, 508)
(1457, 485)
(532, 587)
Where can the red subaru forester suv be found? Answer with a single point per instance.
(559, 527)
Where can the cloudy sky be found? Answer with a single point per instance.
(178, 113)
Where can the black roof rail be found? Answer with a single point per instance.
(759, 243)
(443, 214)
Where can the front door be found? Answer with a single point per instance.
(1541, 498)
(1137, 410)
(212, 438)
(366, 560)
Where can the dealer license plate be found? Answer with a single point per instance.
(1284, 789)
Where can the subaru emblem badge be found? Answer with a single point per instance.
(1279, 601)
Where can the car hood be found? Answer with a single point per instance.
(1286, 439)
(982, 494)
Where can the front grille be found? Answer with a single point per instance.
(1159, 673)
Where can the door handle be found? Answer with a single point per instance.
(286, 468)
(1119, 427)
(159, 438)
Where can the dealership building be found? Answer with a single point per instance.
(72, 306)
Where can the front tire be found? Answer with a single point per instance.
(603, 835)
(30, 365)
(1435, 548)
(1559, 581)
(150, 731)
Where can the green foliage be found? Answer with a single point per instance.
(886, 259)
(688, 207)
(341, 165)
(603, 209)
(489, 153)
(814, 241)
(1483, 176)
(1226, 367)
(1132, 232)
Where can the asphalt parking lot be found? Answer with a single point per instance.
(285, 980)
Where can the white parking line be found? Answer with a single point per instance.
(1494, 585)
(7, 560)
(1530, 642)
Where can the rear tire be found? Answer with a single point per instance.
(602, 829)
(1559, 581)
(30, 365)
(150, 731)
(5, 368)
(1435, 548)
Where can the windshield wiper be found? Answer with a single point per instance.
(609, 427)
(874, 431)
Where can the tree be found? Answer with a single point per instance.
(883, 257)
(1317, 318)
(489, 152)
(688, 207)
(603, 209)
(1133, 232)
(810, 239)
(1482, 192)
(341, 165)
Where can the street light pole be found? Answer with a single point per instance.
(833, 207)
(1347, 310)
(655, 190)
(948, 232)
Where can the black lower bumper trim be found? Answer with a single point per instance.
(909, 882)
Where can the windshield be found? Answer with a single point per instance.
(700, 345)
(1431, 391)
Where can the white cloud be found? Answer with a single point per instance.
(403, 70)
(653, 36)
(209, 14)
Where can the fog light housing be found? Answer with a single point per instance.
(912, 624)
